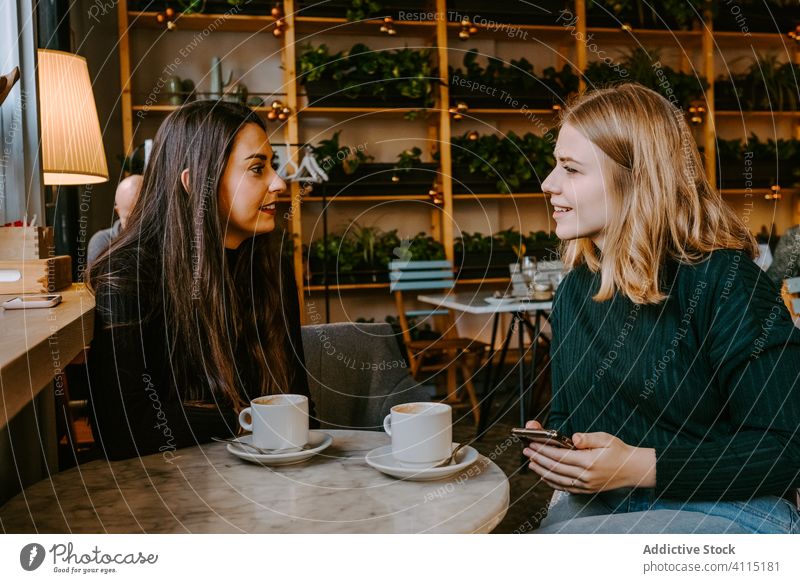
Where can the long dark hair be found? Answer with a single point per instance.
(222, 332)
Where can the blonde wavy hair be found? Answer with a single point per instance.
(663, 204)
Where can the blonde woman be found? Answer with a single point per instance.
(675, 364)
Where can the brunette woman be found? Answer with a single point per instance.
(676, 366)
(196, 314)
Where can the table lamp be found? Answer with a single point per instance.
(72, 146)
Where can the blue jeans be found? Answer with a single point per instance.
(635, 510)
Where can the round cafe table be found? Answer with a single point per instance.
(205, 489)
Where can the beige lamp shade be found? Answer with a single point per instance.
(72, 146)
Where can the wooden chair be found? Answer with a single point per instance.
(449, 352)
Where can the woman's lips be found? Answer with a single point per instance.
(269, 208)
(560, 211)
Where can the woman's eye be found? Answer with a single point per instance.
(257, 169)
(569, 169)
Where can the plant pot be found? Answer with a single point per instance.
(326, 93)
(338, 8)
(725, 98)
(763, 174)
(541, 99)
(755, 18)
(211, 7)
(484, 265)
(492, 14)
(465, 182)
(662, 20)
(376, 179)
(371, 275)
(543, 250)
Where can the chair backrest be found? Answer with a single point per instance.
(418, 276)
(356, 373)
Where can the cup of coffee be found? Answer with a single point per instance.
(277, 421)
(422, 433)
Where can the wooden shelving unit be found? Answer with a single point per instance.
(701, 48)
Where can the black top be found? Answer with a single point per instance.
(135, 406)
(710, 377)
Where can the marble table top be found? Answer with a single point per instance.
(475, 303)
(205, 489)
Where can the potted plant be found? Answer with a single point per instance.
(668, 14)
(480, 256)
(542, 245)
(770, 85)
(770, 163)
(367, 78)
(332, 261)
(512, 85)
(638, 63)
(352, 172)
(757, 16)
(490, 163)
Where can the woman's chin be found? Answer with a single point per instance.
(264, 224)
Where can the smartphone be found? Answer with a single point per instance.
(27, 302)
(545, 436)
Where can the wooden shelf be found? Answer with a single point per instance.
(226, 22)
(646, 35)
(738, 38)
(509, 111)
(347, 286)
(479, 197)
(745, 113)
(376, 198)
(161, 108)
(319, 24)
(314, 110)
(756, 190)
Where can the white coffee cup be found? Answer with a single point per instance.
(422, 433)
(277, 421)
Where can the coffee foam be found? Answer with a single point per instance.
(419, 408)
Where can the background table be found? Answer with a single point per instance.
(206, 489)
(475, 303)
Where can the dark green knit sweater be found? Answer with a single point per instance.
(709, 378)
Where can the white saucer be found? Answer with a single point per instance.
(382, 460)
(500, 301)
(317, 442)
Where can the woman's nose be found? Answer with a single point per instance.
(550, 184)
(277, 185)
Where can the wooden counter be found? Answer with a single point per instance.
(36, 345)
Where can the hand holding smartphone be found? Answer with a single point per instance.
(544, 436)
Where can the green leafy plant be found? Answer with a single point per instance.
(363, 72)
(473, 243)
(512, 161)
(648, 14)
(517, 76)
(330, 153)
(361, 9)
(782, 152)
(769, 84)
(339, 255)
(639, 62)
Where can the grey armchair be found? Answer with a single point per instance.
(356, 373)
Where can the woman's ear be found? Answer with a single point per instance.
(185, 179)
